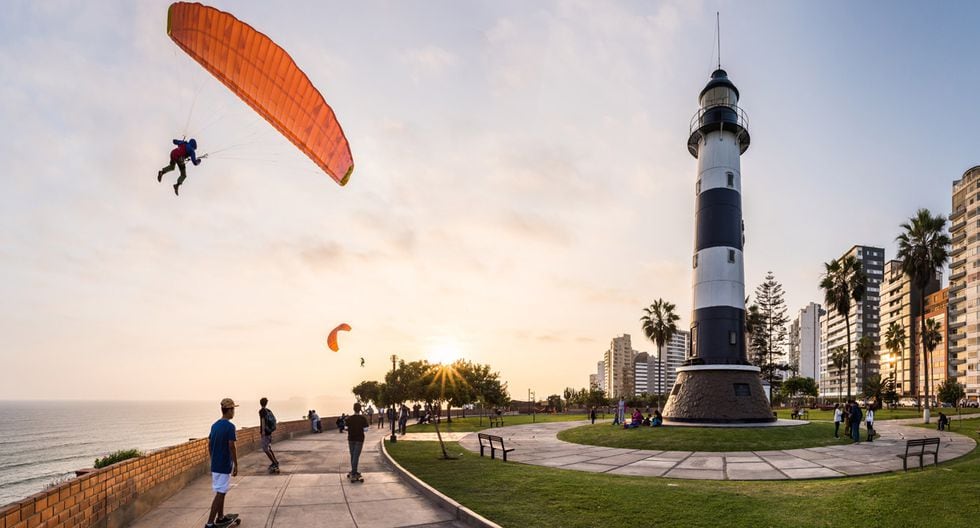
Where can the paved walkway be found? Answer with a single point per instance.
(311, 491)
(538, 444)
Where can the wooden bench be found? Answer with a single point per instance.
(496, 421)
(922, 447)
(803, 414)
(491, 440)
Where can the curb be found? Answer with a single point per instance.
(462, 513)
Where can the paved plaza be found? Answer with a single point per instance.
(310, 491)
(537, 444)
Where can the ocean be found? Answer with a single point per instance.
(43, 442)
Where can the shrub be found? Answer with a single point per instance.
(118, 456)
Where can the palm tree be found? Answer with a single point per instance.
(931, 338)
(923, 249)
(865, 351)
(843, 282)
(895, 342)
(660, 325)
(839, 358)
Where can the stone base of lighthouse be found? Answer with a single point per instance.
(718, 394)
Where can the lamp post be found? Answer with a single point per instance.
(392, 413)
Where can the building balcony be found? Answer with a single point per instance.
(957, 238)
(718, 116)
(958, 263)
(960, 224)
(953, 288)
(957, 214)
(956, 276)
(957, 324)
(957, 349)
(957, 251)
(954, 302)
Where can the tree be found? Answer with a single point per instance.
(879, 389)
(554, 403)
(796, 387)
(843, 282)
(865, 352)
(932, 336)
(660, 325)
(367, 391)
(895, 338)
(951, 392)
(596, 398)
(839, 358)
(488, 389)
(923, 249)
(772, 336)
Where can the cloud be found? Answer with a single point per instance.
(427, 61)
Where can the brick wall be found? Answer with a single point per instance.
(116, 495)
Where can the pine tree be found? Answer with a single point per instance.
(770, 340)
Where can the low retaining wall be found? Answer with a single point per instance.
(116, 495)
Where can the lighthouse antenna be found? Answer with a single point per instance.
(718, 27)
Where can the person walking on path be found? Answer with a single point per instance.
(855, 422)
(403, 419)
(592, 415)
(838, 415)
(381, 418)
(869, 419)
(370, 413)
(224, 461)
(267, 424)
(357, 424)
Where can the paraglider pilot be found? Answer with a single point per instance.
(185, 150)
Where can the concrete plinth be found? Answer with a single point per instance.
(718, 394)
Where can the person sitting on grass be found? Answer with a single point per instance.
(658, 419)
(648, 420)
(635, 420)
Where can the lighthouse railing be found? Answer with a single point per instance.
(712, 111)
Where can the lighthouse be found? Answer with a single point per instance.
(717, 384)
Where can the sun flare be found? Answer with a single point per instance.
(444, 351)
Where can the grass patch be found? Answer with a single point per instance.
(817, 434)
(967, 426)
(514, 494)
(118, 456)
(472, 423)
(880, 414)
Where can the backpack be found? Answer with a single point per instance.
(270, 421)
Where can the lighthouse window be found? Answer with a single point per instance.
(732, 337)
(697, 187)
(731, 255)
(731, 179)
(695, 260)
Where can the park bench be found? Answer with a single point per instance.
(803, 414)
(496, 421)
(922, 447)
(491, 440)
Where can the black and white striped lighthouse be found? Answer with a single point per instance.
(717, 384)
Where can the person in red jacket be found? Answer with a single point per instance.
(185, 150)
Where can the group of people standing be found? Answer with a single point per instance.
(850, 414)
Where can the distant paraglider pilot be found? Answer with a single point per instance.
(178, 157)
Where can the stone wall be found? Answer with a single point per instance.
(116, 495)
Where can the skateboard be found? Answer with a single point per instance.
(233, 520)
(355, 478)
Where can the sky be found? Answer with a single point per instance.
(522, 185)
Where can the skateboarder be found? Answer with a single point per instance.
(224, 462)
(357, 425)
(178, 157)
(267, 424)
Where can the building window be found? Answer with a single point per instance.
(732, 337)
(695, 260)
(731, 255)
(731, 179)
(697, 187)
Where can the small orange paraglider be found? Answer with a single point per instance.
(332, 338)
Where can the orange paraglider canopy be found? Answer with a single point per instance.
(263, 75)
(332, 338)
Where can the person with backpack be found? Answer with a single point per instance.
(267, 425)
(357, 425)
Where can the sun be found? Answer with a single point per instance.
(444, 351)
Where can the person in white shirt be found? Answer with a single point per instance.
(869, 419)
(837, 419)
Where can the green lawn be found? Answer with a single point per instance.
(518, 495)
(472, 423)
(880, 415)
(968, 426)
(817, 434)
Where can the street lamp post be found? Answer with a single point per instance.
(392, 414)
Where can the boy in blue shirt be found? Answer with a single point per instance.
(224, 461)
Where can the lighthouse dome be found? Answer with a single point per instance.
(720, 90)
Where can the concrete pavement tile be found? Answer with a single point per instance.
(251, 498)
(563, 461)
(811, 473)
(741, 459)
(634, 470)
(371, 477)
(304, 480)
(655, 462)
(262, 481)
(620, 460)
(397, 512)
(173, 518)
(333, 515)
(591, 468)
(198, 497)
(737, 472)
(310, 495)
(696, 474)
(676, 455)
(378, 491)
(702, 462)
(785, 462)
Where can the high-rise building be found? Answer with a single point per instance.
(900, 306)
(647, 368)
(619, 367)
(593, 381)
(804, 341)
(600, 376)
(864, 321)
(964, 283)
(936, 305)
